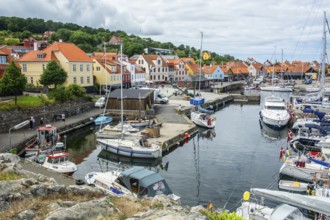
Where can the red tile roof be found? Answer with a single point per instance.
(70, 51)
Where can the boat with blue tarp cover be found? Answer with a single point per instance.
(137, 181)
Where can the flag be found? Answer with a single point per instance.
(282, 152)
(290, 135)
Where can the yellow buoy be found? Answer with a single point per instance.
(246, 196)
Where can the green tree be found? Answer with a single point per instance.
(12, 41)
(54, 74)
(13, 81)
(75, 91)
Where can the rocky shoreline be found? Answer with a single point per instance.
(34, 196)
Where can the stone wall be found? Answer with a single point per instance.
(11, 118)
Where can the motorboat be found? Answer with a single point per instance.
(47, 140)
(277, 88)
(59, 162)
(102, 120)
(137, 181)
(203, 119)
(131, 148)
(274, 113)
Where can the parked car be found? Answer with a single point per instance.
(100, 103)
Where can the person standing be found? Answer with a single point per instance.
(33, 122)
(63, 117)
(41, 121)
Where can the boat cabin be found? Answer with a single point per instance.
(56, 158)
(47, 135)
(144, 182)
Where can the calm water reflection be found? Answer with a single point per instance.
(215, 166)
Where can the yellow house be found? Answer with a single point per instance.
(206, 55)
(106, 73)
(77, 64)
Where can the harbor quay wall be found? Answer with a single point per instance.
(9, 119)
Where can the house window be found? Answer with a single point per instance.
(87, 67)
(74, 67)
(142, 62)
(81, 67)
(158, 69)
(43, 67)
(98, 68)
(74, 80)
(81, 80)
(3, 59)
(158, 61)
(88, 80)
(24, 67)
(31, 80)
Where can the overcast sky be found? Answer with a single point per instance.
(241, 28)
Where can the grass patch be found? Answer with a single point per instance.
(40, 205)
(25, 102)
(7, 176)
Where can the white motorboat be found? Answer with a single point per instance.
(131, 148)
(274, 113)
(203, 119)
(47, 140)
(60, 163)
(136, 181)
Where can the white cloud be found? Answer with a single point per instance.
(236, 27)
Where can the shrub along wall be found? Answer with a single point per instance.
(11, 118)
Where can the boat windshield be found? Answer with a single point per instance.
(275, 107)
(157, 188)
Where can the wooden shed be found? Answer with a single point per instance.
(133, 100)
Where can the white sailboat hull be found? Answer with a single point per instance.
(276, 88)
(130, 148)
(203, 119)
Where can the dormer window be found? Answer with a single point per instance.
(41, 55)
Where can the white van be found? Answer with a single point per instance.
(100, 103)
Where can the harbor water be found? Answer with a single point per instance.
(215, 166)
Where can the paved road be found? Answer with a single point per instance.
(20, 135)
(167, 114)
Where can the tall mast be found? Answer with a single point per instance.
(200, 64)
(121, 90)
(322, 81)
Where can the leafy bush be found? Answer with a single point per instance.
(75, 91)
(59, 94)
(221, 215)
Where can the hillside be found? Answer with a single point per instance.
(14, 30)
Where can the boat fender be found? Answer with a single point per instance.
(246, 196)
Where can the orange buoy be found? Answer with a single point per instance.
(186, 134)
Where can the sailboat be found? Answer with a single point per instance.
(279, 86)
(201, 117)
(135, 147)
(103, 118)
(316, 100)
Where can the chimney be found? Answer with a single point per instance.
(35, 46)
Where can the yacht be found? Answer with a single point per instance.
(274, 113)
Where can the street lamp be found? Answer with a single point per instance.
(18, 126)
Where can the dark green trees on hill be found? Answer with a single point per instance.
(91, 39)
